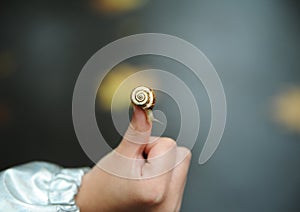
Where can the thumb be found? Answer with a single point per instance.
(139, 120)
(136, 136)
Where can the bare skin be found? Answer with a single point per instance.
(101, 191)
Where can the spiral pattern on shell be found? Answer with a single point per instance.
(143, 97)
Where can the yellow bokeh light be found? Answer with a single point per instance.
(287, 108)
(116, 6)
(111, 83)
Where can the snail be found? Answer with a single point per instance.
(144, 98)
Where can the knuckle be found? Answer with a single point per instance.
(189, 155)
(152, 196)
(168, 142)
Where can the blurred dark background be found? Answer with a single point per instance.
(254, 46)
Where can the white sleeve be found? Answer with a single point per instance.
(39, 187)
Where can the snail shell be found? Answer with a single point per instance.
(143, 97)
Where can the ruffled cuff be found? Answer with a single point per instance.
(63, 188)
(40, 186)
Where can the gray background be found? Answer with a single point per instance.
(254, 46)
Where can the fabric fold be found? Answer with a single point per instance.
(40, 186)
